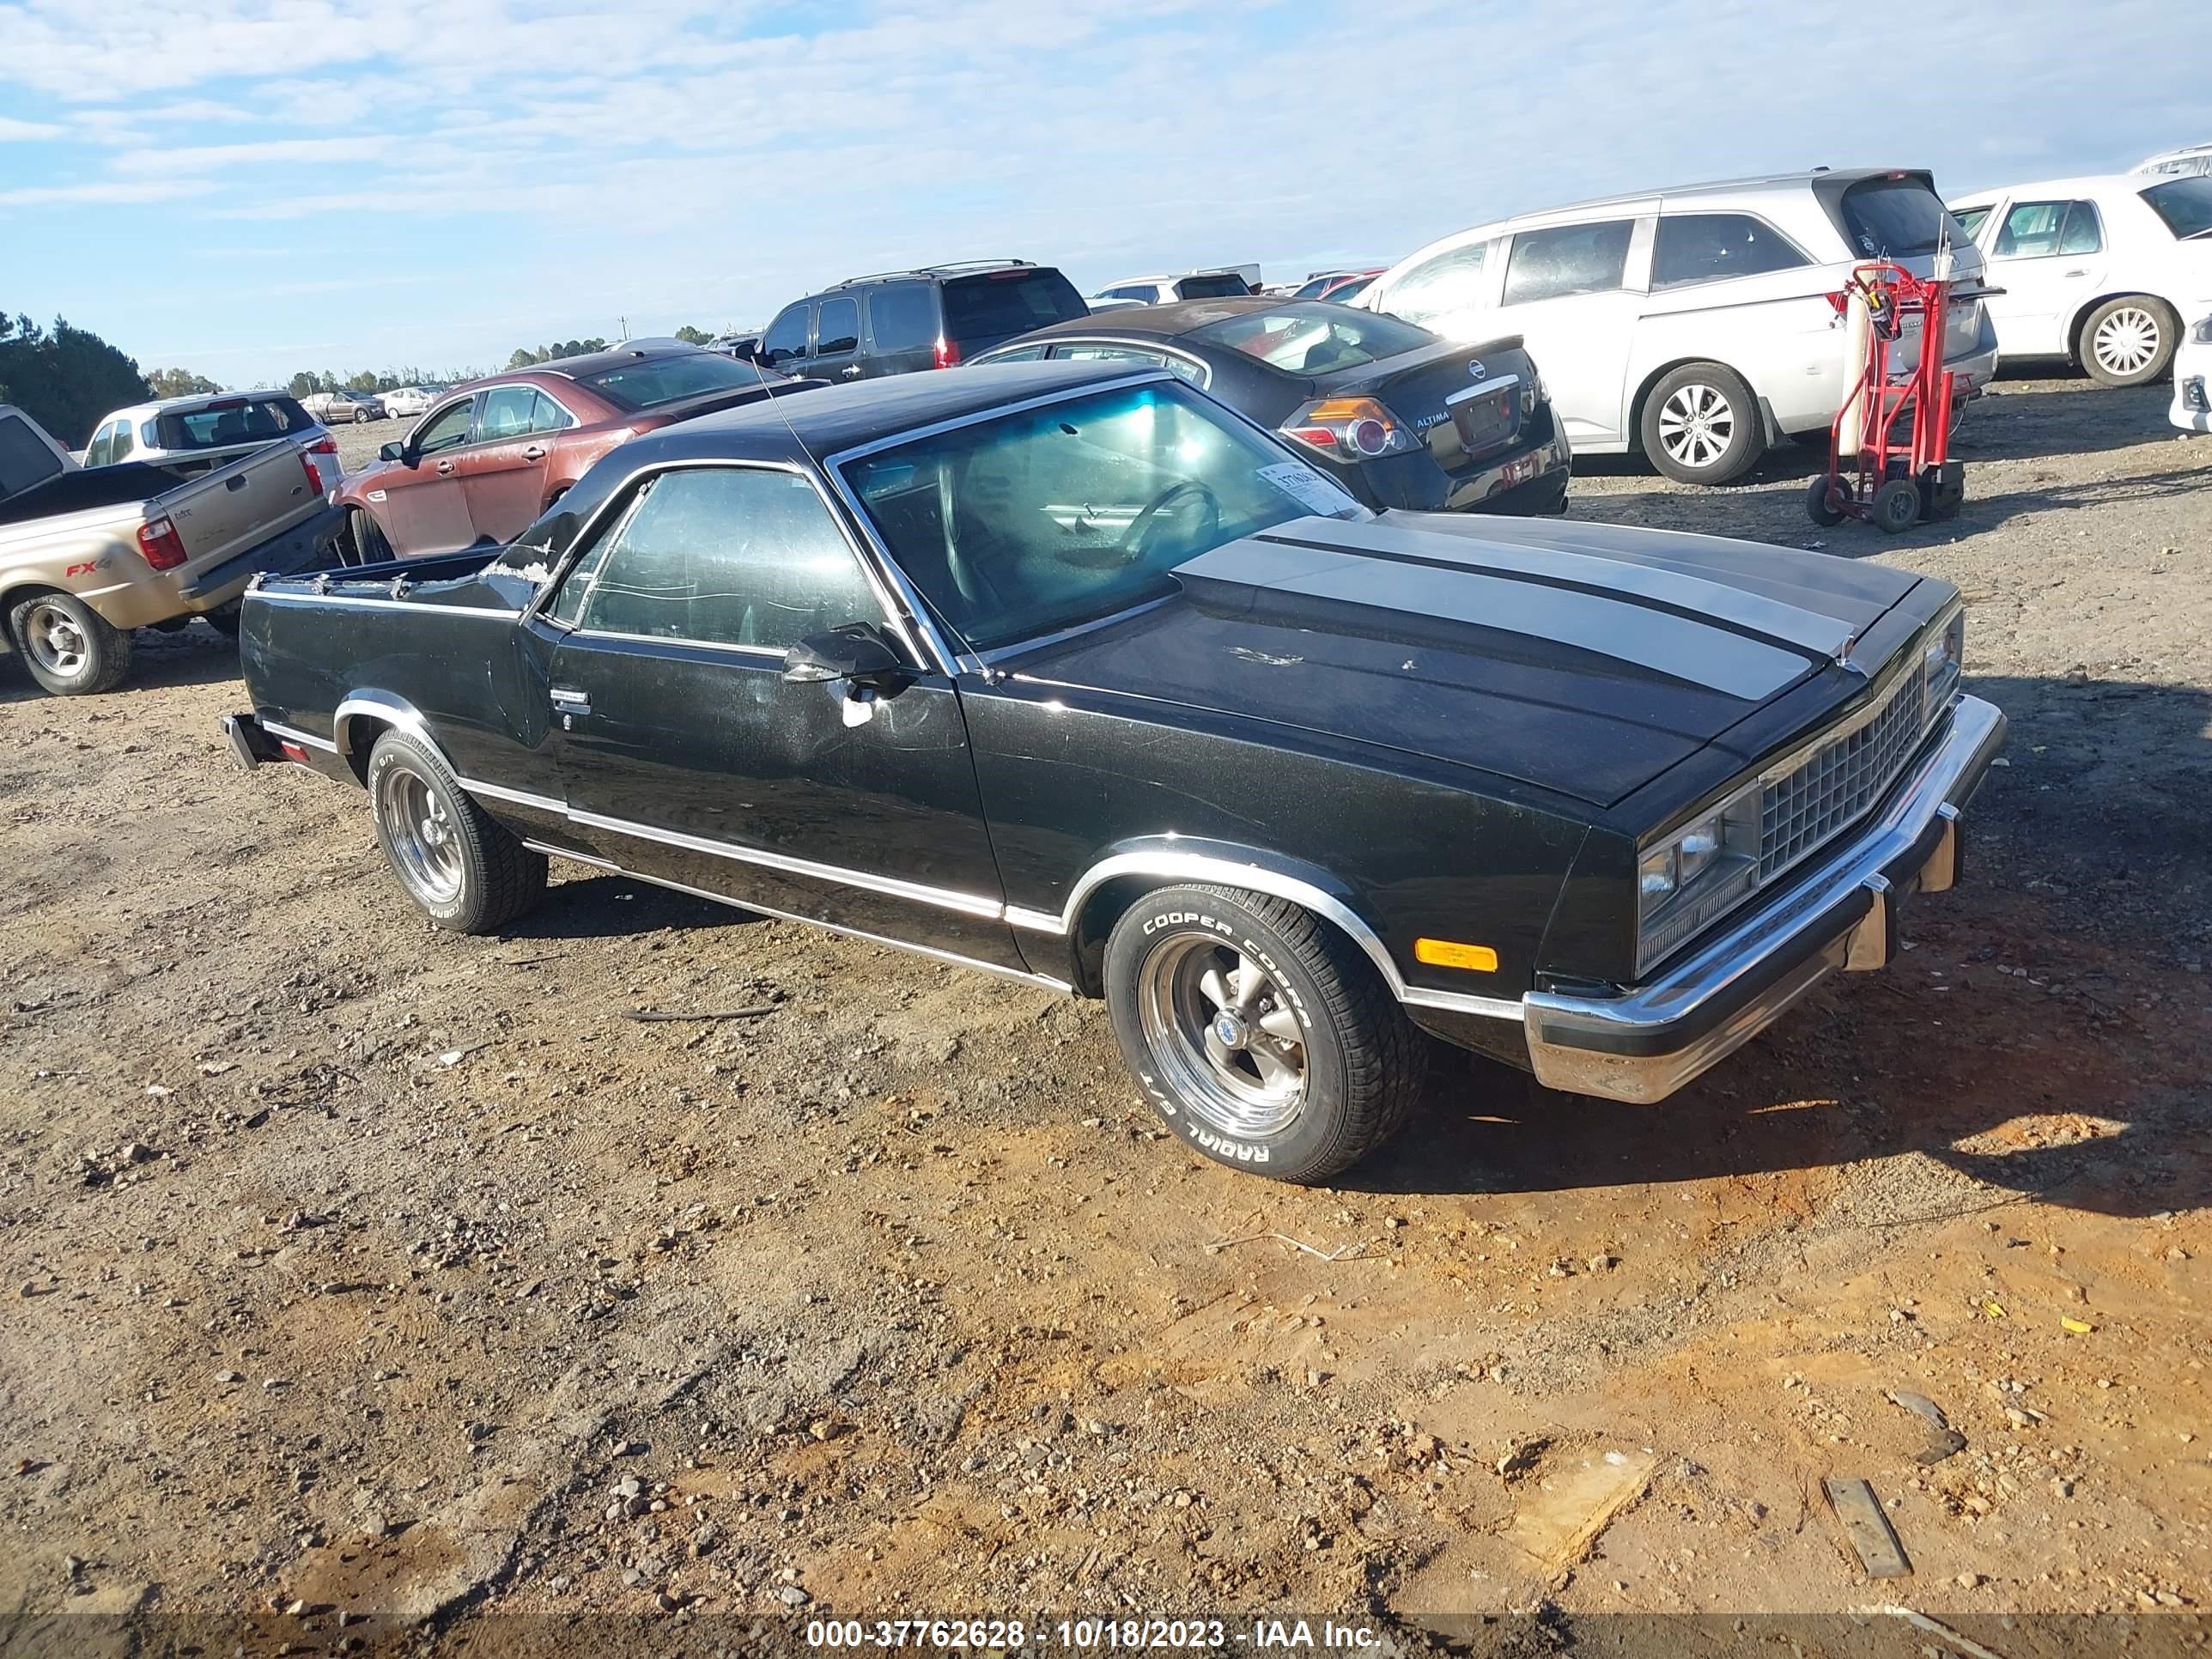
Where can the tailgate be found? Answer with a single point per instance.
(232, 508)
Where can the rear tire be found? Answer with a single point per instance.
(2128, 341)
(71, 650)
(467, 872)
(1701, 425)
(1319, 1065)
(1896, 506)
(369, 545)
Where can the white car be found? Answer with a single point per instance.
(1222, 283)
(191, 435)
(410, 400)
(2191, 160)
(1695, 324)
(2192, 379)
(2100, 271)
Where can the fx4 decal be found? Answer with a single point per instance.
(89, 567)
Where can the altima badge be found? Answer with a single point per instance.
(1475, 368)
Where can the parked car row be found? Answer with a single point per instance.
(1064, 670)
(336, 407)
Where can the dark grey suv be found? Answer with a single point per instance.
(899, 321)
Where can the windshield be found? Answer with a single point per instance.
(654, 381)
(1034, 522)
(234, 421)
(1315, 338)
(2185, 205)
(1897, 219)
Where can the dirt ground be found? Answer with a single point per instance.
(360, 1279)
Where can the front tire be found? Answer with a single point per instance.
(361, 417)
(1260, 1034)
(1701, 425)
(369, 545)
(2128, 341)
(466, 873)
(71, 650)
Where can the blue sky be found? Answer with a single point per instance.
(249, 187)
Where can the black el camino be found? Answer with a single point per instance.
(1070, 672)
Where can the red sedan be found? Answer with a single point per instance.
(490, 456)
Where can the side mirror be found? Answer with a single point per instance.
(389, 452)
(855, 653)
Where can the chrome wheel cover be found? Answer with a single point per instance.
(425, 846)
(57, 641)
(1697, 424)
(1223, 1035)
(2126, 341)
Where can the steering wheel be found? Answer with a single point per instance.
(1137, 539)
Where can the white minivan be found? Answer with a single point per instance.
(1694, 325)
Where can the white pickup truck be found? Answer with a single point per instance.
(89, 554)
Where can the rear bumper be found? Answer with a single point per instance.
(2191, 410)
(1528, 481)
(1648, 1041)
(250, 745)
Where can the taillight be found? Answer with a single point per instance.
(1358, 427)
(163, 547)
(316, 482)
(947, 354)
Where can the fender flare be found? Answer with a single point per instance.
(386, 710)
(1173, 858)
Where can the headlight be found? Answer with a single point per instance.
(1696, 872)
(2202, 334)
(1941, 660)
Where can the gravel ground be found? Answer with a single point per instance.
(362, 1278)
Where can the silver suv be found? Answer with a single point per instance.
(1693, 324)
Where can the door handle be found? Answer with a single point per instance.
(535, 452)
(444, 468)
(850, 372)
(2077, 273)
(570, 706)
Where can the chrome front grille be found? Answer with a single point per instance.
(1835, 780)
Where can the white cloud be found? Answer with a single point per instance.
(108, 190)
(24, 131)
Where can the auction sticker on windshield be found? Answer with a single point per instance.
(1308, 489)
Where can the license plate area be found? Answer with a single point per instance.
(1487, 416)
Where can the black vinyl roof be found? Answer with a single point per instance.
(838, 417)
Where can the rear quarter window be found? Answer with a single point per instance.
(1713, 248)
(1009, 302)
(903, 318)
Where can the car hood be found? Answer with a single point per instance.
(1581, 659)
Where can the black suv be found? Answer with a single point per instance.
(902, 320)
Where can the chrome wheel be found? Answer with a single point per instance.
(1697, 424)
(56, 642)
(2126, 341)
(1225, 1034)
(421, 837)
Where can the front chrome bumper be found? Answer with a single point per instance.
(1648, 1042)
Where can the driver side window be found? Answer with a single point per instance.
(448, 430)
(720, 556)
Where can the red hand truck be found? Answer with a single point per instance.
(1871, 476)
